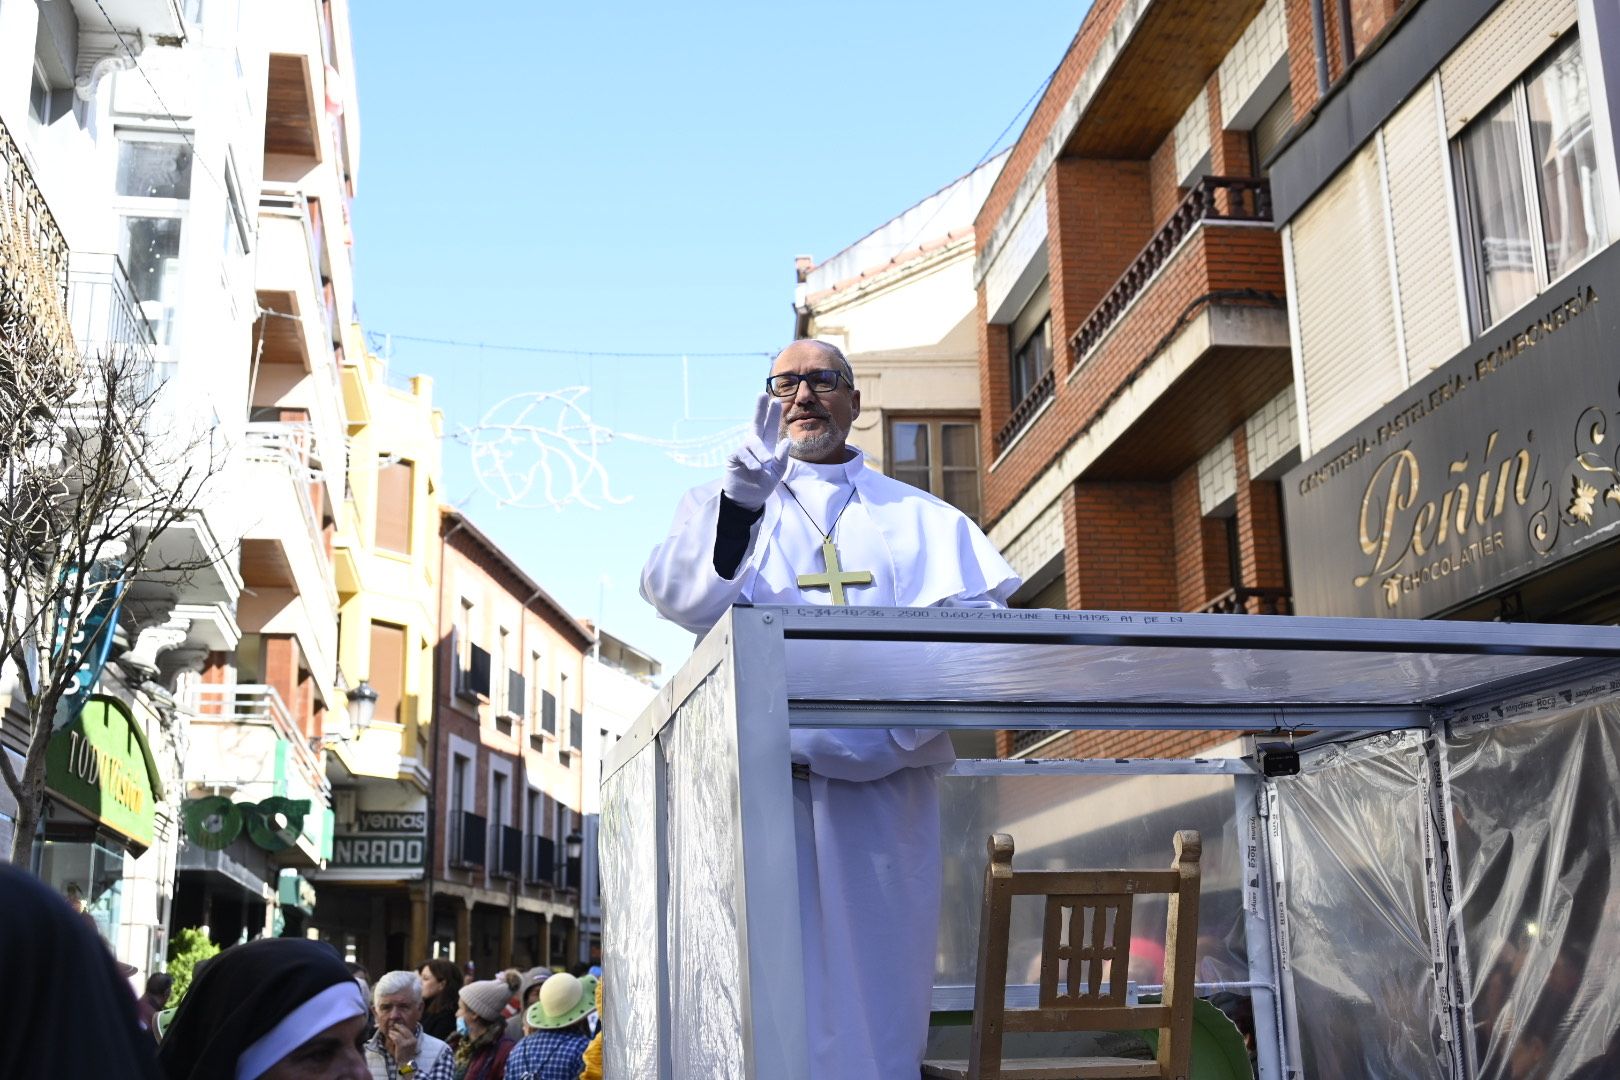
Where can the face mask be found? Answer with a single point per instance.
(461, 1027)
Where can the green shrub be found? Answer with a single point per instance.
(189, 948)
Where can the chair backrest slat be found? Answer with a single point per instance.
(1085, 954)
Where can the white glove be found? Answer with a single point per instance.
(755, 468)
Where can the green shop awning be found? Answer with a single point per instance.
(101, 765)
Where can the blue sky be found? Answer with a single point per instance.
(638, 178)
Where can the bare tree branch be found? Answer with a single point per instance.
(93, 473)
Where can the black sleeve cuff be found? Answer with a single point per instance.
(731, 536)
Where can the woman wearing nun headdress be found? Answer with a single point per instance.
(274, 1009)
(71, 1011)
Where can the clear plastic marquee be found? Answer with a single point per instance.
(1431, 894)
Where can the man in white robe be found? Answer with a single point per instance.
(866, 806)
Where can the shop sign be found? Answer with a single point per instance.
(382, 838)
(100, 764)
(295, 891)
(1503, 462)
(273, 824)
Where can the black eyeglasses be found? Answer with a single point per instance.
(822, 382)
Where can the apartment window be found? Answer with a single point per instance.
(1031, 358)
(463, 643)
(497, 813)
(939, 455)
(458, 782)
(153, 191)
(387, 674)
(537, 679)
(562, 700)
(396, 480)
(236, 229)
(499, 688)
(1527, 169)
(1269, 131)
(39, 97)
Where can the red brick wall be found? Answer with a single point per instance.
(994, 378)
(1212, 258)
(283, 669)
(1368, 19)
(1112, 744)
(1262, 557)
(1228, 150)
(1301, 57)
(1203, 566)
(1165, 195)
(1122, 547)
(1099, 216)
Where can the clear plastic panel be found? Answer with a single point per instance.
(1537, 850)
(1358, 918)
(972, 671)
(1090, 822)
(704, 938)
(629, 854)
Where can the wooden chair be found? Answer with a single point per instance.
(1077, 942)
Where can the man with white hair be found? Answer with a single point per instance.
(401, 1049)
(798, 518)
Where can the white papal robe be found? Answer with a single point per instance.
(867, 817)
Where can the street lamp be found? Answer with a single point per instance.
(572, 846)
(362, 706)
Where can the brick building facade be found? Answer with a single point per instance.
(1133, 338)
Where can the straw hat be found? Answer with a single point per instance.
(564, 1000)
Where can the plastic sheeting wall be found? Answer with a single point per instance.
(1359, 933)
(1536, 846)
(629, 853)
(705, 982)
(1070, 822)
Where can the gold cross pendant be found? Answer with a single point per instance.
(836, 577)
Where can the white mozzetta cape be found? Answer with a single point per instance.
(935, 554)
(867, 818)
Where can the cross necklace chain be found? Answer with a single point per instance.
(835, 577)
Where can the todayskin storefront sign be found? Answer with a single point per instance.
(100, 764)
(1503, 462)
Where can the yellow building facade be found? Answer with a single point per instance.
(385, 553)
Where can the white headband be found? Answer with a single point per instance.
(337, 1003)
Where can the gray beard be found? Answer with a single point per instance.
(818, 445)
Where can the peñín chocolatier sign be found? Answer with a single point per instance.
(1502, 462)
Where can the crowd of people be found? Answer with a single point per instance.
(284, 1009)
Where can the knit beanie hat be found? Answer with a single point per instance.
(487, 998)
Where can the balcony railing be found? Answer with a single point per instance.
(33, 254)
(258, 705)
(291, 445)
(1025, 411)
(1214, 198)
(1237, 602)
(508, 843)
(542, 868)
(1025, 739)
(107, 321)
(469, 833)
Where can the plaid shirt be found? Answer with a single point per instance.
(548, 1055)
(382, 1066)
